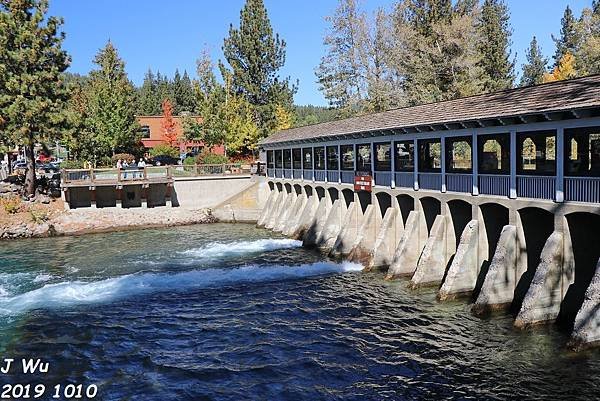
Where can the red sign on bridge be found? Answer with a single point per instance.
(363, 183)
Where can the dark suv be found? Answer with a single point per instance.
(164, 160)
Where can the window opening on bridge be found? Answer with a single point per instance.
(430, 155)
(494, 154)
(582, 146)
(459, 155)
(405, 153)
(347, 153)
(287, 158)
(383, 156)
(307, 158)
(363, 157)
(536, 153)
(297, 159)
(332, 158)
(320, 158)
(270, 160)
(278, 161)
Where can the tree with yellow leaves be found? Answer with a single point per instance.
(565, 69)
(283, 118)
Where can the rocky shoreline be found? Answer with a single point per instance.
(85, 221)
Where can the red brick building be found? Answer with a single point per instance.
(152, 134)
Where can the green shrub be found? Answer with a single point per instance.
(11, 205)
(207, 157)
(189, 161)
(39, 216)
(71, 164)
(164, 149)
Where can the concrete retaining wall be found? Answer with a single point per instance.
(409, 247)
(464, 270)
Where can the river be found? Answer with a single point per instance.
(232, 312)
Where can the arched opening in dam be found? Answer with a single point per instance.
(279, 187)
(384, 202)
(271, 185)
(308, 190)
(461, 213)
(297, 189)
(348, 195)
(320, 192)
(431, 208)
(495, 217)
(334, 194)
(407, 205)
(364, 198)
(584, 229)
(538, 225)
(288, 188)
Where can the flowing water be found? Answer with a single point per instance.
(231, 312)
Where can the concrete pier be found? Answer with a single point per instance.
(364, 244)
(387, 239)
(436, 254)
(409, 248)
(333, 226)
(351, 223)
(461, 278)
(586, 332)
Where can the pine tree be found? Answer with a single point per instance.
(495, 46)
(168, 124)
(568, 40)
(111, 104)
(148, 101)
(533, 71)
(588, 48)
(164, 90)
(183, 93)
(255, 56)
(32, 88)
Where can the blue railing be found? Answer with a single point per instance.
(333, 176)
(582, 189)
(271, 172)
(307, 175)
(536, 187)
(494, 185)
(383, 178)
(347, 177)
(287, 173)
(459, 183)
(320, 175)
(278, 173)
(432, 181)
(405, 180)
(297, 174)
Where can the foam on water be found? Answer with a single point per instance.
(42, 278)
(223, 249)
(67, 294)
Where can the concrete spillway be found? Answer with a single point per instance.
(523, 257)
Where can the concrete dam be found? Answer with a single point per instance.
(494, 197)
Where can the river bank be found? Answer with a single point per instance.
(38, 220)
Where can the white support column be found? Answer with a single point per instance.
(560, 165)
(513, 164)
(475, 162)
(416, 163)
(339, 160)
(393, 160)
(373, 160)
(355, 152)
(443, 161)
(292, 162)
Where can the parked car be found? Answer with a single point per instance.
(164, 160)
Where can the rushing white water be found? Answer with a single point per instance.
(75, 293)
(234, 248)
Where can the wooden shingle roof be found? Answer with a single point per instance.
(536, 103)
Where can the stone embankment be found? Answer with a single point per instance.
(82, 221)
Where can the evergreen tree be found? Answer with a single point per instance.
(111, 113)
(32, 89)
(588, 48)
(495, 46)
(255, 56)
(425, 13)
(148, 101)
(533, 71)
(568, 40)
(183, 93)
(164, 90)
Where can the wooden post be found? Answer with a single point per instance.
(91, 175)
(145, 173)
(119, 175)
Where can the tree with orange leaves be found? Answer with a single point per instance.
(168, 125)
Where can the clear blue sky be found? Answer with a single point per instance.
(165, 35)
